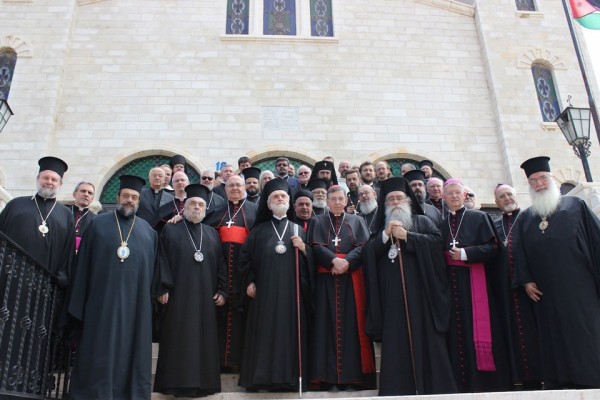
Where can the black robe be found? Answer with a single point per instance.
(371, 221)
(564, 262)
(188, 358)
(476, 234)
(231, 317)
(350, 358)
(319, 211)
(81, 218)
(270, 357)
(55, 250)
(440, 205)
(432, 213)
(515, 308)
(253, 199)
(151, 206)
(112, 301)
(428, 299)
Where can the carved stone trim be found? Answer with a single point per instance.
(530, 56)
(21, 46)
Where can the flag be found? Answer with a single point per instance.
(586, 12)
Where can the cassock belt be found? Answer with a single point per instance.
(235, 234)
(482, 329)
(358, 283)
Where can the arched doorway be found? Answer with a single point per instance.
(139, 167)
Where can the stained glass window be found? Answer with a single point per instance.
(546, 92)
(139, 167)
(279, 17)
(525, 5)
(321, 20)
(238, 16)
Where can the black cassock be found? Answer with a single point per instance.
(428, 299)
(474, 231)
(188, 358)
(231, 316)
(81, 218)
(112, 300)
(564, 262)
(341, 352)
(55, 250)
(515, 308)
(270, 357)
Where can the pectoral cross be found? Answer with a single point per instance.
(336, 241)
(229, 223)
(454, 242)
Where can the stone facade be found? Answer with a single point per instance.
(100, 83)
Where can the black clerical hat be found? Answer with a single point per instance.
(251, 172)
(327, 166)
(303, 193)
(397, 183)
(132, 182)
(318, 183)
(177, 159)
(536, 164)
(264, 213)
(197, 190)
(53, 164)
(425, 162)
(414, 175)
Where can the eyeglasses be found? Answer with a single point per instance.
(543, 179)
(303, 173)
(207, 178)
(471, 194)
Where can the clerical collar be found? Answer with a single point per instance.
(457, 211)
(285, 178)
(157, 190)
(182, 198)
(279, 218)
(516, 210)
(81, 209)
(337, 216)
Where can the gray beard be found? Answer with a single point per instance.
(47, 193)
(401, 213)
(194, 217)
(319, 203)
(127, 210)
(545, 203)
(368, 208)
(279, 209)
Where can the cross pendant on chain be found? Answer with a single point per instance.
(336, 241)
(229, 223)
(454, 242)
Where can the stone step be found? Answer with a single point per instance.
(372, 395)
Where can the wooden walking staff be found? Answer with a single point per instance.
(298, 314)
(410, 340)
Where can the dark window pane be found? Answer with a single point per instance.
(279, 17)
(525, 5)
(546, 92)
(238, 15)
(321, 20)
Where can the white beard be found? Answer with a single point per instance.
(400, 213)
(367, 208)
(544, 203)
(194, 216)
(319, 203)
(279, 209)
(510, 208)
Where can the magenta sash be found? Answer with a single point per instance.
(482, 329)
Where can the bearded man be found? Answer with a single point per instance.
(557, 259)
(190, 282)
(275, 270)
(367, 205)
(409, 298)
(111, 299)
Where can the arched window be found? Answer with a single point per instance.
(139, 167)
(396, 165)
(525, 5)
(546, 91)
(566, 187)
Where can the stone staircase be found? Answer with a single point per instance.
(231, 391)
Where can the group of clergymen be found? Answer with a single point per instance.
(289, 281)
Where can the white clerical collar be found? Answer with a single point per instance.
(454, 212)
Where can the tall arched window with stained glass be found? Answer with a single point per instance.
(546, 91)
